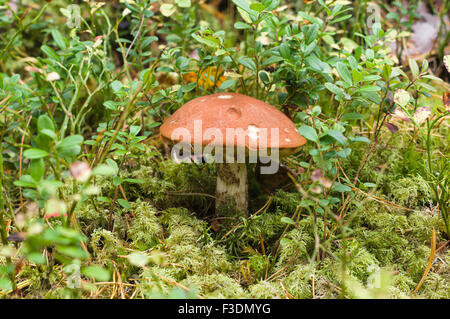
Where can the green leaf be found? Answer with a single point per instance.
(124, 203)
(242, 25)
(207, 40)
(352, 116)
(36, 258)
(247, 62)
(243, 5)
(369, 88)
(287, 220)
(5, 284)
(96, 272)
(103, 199)
(183, 3)
(359, 139)
(70, 146)
(387, 70)
(344, 73)
(271, 60)
(49, 52)
(334, 89)
(26, 181)
(45, 123)
(413, 67)
(104, 170)
(370, 54)
(138, 259)
(370, 184)
(338, 136)
(344, 153)
(59, 39)
(33, 153)
(111, 105)
(167, 9)
(310, 18)
(134, 180)
(342, 18)
(426, 86)
(357, 76)
(71, 251)
(227, 84)
(71, 140)
(309, 133)
(37, 169)
(371, 78)
(401, 97)
(49, 133)
(116, 86)
(264, 76)
(311, 32)
(257, 6)
(338, 187)
(284, 51)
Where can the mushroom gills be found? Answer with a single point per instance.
(231, 188)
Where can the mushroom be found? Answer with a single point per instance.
(239, 127)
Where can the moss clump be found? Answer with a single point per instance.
(145, 230)
(258, 265)
(106, 247)
(184, 247)
(286, 202)
(410, 191)
(266, 290)
(91, 217)
(216, 286)
(299, 282)
(360, 262)
(181, 226)
(298, 243)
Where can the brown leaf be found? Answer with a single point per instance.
(393, 128)
(446, 100)
(20, 236)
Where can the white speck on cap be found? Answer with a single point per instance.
(252, 131)
(225, 96)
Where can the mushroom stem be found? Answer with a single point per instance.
(232, 187)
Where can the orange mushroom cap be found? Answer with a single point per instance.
(233, 111)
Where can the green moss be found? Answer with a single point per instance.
(216, 286)
(297, 244)
(299, 282)
(435, 287)
(409, 191)
(266, 290)
(92, 217)
(360, 261)
(106, 247)
(145, 230)
(258, 266)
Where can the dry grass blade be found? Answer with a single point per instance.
(430, 261)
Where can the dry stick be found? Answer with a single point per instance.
(137, 34)
(115, 286)
(430, 261)
(443, 245)
(286, 293)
